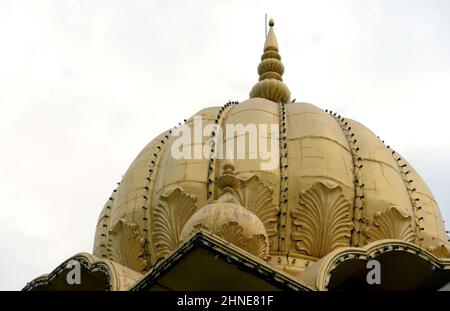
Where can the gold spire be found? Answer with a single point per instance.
(270, 70)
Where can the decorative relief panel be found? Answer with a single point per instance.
(440, 250)
(257, 245)
(174, 209)
(322, 221)
(234, 233)
(126, 245)
(253, 194)
(391, 224)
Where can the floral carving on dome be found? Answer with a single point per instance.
(322, 220)
(252, 193)
(233, 233)
(440, 250)
(257, 245)
(391, 224)
(126, 245)
(173, 210)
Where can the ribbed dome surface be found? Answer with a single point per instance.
(335, 184)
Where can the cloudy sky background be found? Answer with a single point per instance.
(84, 85)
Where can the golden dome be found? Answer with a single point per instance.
(334, 184)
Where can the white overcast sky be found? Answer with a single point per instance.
(84, 85)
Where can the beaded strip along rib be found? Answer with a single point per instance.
(414, 198)
(282, 214)
(223, 111)
(149, 185)
(146, 198)
(105, 225)
(359, 221)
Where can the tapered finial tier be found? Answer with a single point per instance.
(270, 71)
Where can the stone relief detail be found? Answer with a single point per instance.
(257, 245)
(322, 221)
(173, 210)
(253, 194)
(233, 233)
(199, 227)
(440, 250)
(391, 224)
(126, 245)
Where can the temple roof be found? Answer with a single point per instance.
(326, 192)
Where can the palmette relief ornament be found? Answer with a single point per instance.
(252, 193)
(257, 245)
(173, 210)
(233, 233)
(126, 245)
(440, 250)
(322, 220)
(391, 224)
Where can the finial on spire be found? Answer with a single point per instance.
(270, 70)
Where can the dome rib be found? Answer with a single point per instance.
(359, 220)
(223, 112)
(153, 171)
(102, 230)
(409, 182)
(284, 195)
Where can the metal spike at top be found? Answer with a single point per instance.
(270, 70)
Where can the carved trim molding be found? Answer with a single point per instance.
(87, 262)
(322, 221)
(173, 210)
(391, 224)
(374, 250)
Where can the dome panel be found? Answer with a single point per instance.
(189, 174)
(176, 171)
(257, 115)
(317, 146)
(255, 112)
(433, 226)
(385, 195)
(317, 152)
(127, 200)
